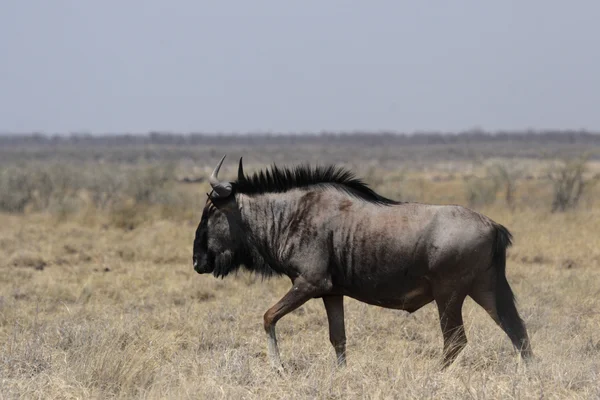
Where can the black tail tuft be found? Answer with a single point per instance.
(508, 315)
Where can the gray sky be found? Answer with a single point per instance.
(293, 66)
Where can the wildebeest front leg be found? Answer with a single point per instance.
(334, 305)
(299, 294)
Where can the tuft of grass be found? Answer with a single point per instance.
(27, 259)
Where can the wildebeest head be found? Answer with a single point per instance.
(218, 246)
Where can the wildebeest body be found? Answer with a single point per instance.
(334, 237)
(380, 255)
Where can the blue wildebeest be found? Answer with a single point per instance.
(333, 237)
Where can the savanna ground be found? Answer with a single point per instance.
(98, 298)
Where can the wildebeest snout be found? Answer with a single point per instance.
(197, 265)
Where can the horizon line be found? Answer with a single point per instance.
(325, 132)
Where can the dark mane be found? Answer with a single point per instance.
(279, 180)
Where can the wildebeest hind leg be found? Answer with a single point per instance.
(300, 293)
(451, 321)
(334, 305)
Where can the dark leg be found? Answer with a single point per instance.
(455, 340)
(334, 305)
(299, 294)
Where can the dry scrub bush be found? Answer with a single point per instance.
(143, 184)
(483, 191)
(16, 191)
(41, 187)
(567, 177)
(506, 176)
(105, 185)
(149, 193)
(62, 189)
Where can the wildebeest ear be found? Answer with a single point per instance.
(240, 171)
(224, 204)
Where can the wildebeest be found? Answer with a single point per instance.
(333, 236)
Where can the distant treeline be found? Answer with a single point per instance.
(579, 137)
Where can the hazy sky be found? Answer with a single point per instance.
(189, 65)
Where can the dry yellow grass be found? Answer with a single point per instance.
(88, 310)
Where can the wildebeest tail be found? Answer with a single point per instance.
(508, 315)
(502, 241)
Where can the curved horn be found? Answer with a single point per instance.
(222, 189)
(241, 171)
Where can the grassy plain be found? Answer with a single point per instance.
(102, 302)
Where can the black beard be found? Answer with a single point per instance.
(224, 264)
